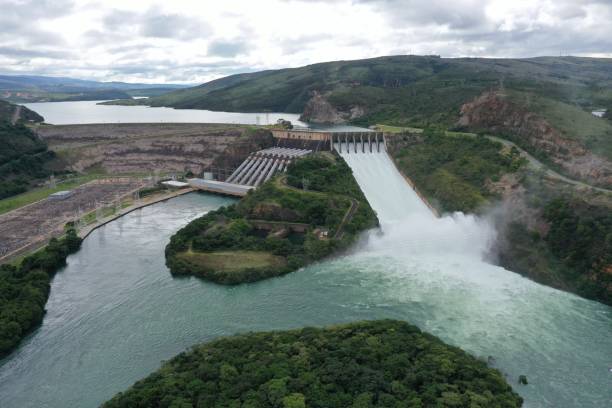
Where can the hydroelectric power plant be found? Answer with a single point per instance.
(291, 144)
(115, 311)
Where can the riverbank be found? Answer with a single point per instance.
(141, 203)
(30, 227)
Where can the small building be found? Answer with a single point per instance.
(61, 195)
(174, 184)
(220, 187)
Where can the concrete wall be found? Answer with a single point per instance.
(300, 134)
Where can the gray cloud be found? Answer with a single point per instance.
(221, 48)
(464, 14)
(168, 41)
(154, 23)
(31, 53)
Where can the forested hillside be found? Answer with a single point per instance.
(23, 155)
(369, 364)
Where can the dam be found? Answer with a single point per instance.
(291, 144)
(115, 312)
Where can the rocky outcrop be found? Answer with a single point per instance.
(318, 109)
(234, 153)
(495, 113)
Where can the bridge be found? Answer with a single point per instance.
(291, 144)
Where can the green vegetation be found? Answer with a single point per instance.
(454, 171)
(401, 90)
(277, 228)
(125, 102)
(580, 236)
(7, 111)
(24, 289)
(37, 194)
(366, 364)
(574, 255)
(234, 261)
(87, 96)
(573, 122)
(23, 159)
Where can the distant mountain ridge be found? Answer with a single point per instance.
(47, 83)
(35, 88)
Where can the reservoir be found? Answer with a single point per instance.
(85, 112)
(81, 112)
(115, 312)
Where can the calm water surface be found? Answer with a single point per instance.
(83, 112)
(65, 113)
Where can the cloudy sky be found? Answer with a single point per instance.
(192, 41)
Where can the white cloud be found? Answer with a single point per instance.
(194, 41)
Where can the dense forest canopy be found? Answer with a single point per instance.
(580, 236)
(368, 364)
(23, 159)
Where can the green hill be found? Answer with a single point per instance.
(368, 364)
(407, 89)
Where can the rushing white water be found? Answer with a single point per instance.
(438, 264)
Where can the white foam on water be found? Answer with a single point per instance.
(438, 266)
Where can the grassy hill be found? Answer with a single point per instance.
(402, 89)
(277, 228)
(368, 364)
